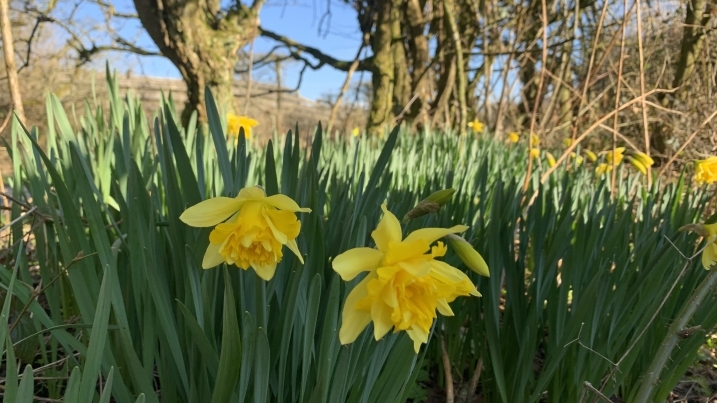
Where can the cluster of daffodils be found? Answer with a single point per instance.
(639, 160)
(235, 123)
(405, 286)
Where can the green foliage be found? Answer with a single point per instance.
(128, 301)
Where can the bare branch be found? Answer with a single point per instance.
(297, 49)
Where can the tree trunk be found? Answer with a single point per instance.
(381, 112)
(693, 34)
(401, 77)
(203, 43)
(420, 59)
(448, 9)
(9, 54)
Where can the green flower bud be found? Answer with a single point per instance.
(430, 204)
(469, 256)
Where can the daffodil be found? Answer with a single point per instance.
(355, 132)
(476, 125)
(536, 140)
(603, 168)
(591, 155)
(643, 158)
(513, 137)
(578, 158)
(709, 232)
(617, 155)
(405, 284)
(706, 171)
(567, 141)
(551, 159)
(234, 123)
(534, 152)
(249, 229)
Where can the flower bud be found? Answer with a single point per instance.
(430, 204)
(469, 256)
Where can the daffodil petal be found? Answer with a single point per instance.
(283, 202)
(210, 212)
(381, 316)
(419, 336)
(388, 229)
(444, 308)
(709, 256)
(212, 257)
(291, 244)
(354, 321)
(252, 193)
(280, 236)
(266, 272)
(430, 235)
(354, 261)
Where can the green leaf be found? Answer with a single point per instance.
(261, 366)
(230, 355)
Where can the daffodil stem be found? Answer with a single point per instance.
(672, 338)
(260, 302)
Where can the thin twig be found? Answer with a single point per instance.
(642, 90)
(35, 293)
(249, 79)
(687, 142)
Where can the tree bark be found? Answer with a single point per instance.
(420, 59)
(9, 54)
(202, 41)
(453, 27)
(693, 35)
(401, 77)
(381, 112)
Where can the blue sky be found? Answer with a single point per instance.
(297, 19)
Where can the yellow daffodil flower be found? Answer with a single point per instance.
(536, 140)
(551, 159)
(603, 168)
(591, 155)
(567, 141)
(617, 155)
(578, 158)
(249, 230)
(476, 125)
(638, 165)
(355, 132)
(534, 152)
(706, 171)
(234, 123)
(513, 137)
(709, 232)
(643, 158)
(405, 284)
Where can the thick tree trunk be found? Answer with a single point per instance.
(202, 42)
(693, 35)
(453, 27)
(420, 59)
(401, 77)
(381, 112)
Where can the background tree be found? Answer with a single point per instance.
(202, 40)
